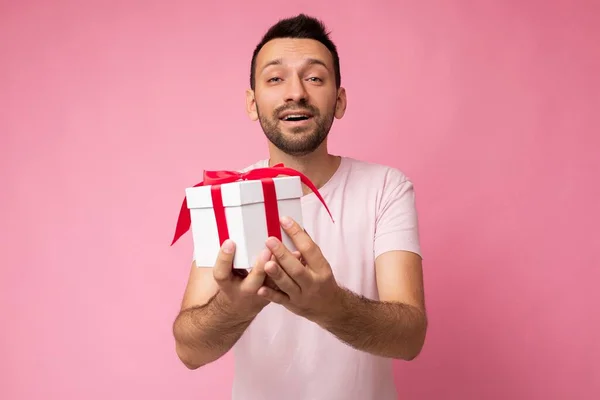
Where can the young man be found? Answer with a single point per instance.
(324, 323)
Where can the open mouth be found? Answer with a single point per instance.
(295, 116)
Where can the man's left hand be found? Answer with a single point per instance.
(307, 285)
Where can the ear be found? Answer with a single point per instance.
(341, 103)
(251, 105)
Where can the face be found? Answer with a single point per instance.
(295, 97)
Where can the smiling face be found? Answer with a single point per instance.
(295, 96)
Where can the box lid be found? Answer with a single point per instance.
(244, 192)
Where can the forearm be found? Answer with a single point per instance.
(205, 333)
(386, 329)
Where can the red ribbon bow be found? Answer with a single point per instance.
(265, 175)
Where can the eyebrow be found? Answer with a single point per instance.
(309, 61)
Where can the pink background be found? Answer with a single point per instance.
(108, 110)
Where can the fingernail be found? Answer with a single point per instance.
(286, 222)
(227, 246)
(271, 242)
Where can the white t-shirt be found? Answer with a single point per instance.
(282, 356)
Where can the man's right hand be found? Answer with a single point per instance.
(239, 293)
(216, 309)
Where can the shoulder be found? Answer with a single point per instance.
(388, 186)
(375, 175)
(395, 214)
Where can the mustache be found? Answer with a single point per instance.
(297, 106)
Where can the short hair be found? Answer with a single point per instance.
(298, 27)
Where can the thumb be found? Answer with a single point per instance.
(223, 268)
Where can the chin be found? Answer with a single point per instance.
(298, 130)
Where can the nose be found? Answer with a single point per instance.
(295, 90)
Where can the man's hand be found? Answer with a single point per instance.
(305, 279)
(391, 328)
(239, 289)
(217, 309)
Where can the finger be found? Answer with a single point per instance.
(295, 253)
(289, 263)
(257, 275)
(305, 245)
(222, 270)
(273, 295)
(283, 281)
(269, 282)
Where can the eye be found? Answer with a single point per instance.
(315, 79)
(274, 79)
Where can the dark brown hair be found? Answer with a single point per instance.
(299, 27)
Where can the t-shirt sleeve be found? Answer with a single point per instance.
(397, 226)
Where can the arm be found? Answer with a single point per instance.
(393, 327)
(205, 329)
(217, 308)
(396, 325)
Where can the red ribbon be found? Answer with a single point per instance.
(265, 175)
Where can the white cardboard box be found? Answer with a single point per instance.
(243, 202)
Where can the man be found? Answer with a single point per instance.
(326, 322)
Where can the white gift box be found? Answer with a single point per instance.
(244, 208)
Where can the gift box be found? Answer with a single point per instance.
(246, 215)
(244, 207)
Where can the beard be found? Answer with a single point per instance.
(300, 140)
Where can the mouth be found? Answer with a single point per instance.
(295, 116)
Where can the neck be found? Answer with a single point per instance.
(318, 166)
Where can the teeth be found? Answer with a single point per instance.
(296, 116)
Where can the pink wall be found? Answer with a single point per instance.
(107, 112)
